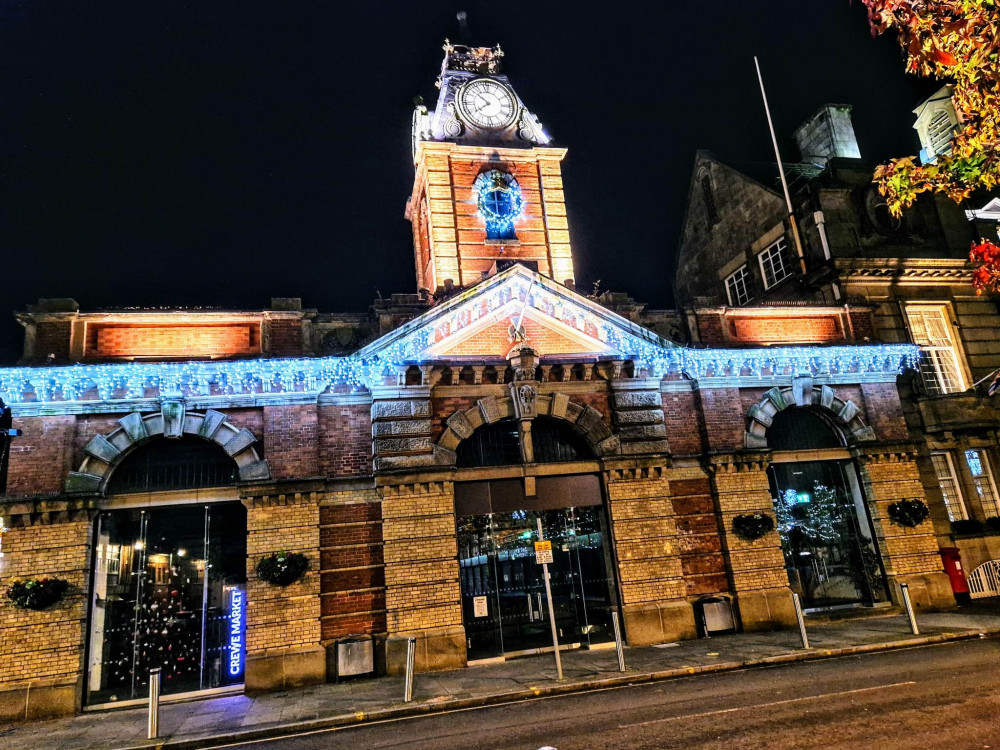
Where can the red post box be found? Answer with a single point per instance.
(952, 559)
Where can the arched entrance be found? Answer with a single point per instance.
(169, 572)
(826, 534)
(503, 593)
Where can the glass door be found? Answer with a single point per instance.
(826, 535)
(169, 592)
(503, 588)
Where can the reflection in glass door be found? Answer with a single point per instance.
(826, 535)
(503, 591)
(169, 589)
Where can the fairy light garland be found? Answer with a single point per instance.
(499, 200)
(113, 382)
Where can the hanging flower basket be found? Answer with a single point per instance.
(908, 512)
(282, 568)
(752, 526)
(36, 593)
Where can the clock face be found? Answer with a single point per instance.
(487, 104)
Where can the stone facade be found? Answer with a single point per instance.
(365, 457)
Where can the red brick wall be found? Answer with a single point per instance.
(345, 440)
(784, 329)
(352, 571)
(681, 414)
(496, 341)
(698, 538)
(52, 338)
(291, 441)
(710, 329)
(881, 403)
(286, 338)
(723, 414)
(442, 408)
(862, 324)
(598, 401)
(188, 341)
(41, 458)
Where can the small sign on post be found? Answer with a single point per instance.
(543, 552)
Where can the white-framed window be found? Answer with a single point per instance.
(939, 359)
(736, 287)
(775, 265)
(982, 480)
(944, 468)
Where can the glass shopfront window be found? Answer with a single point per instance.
(169, 592)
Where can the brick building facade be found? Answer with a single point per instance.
(164, 454)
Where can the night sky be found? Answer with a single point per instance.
(217, 154)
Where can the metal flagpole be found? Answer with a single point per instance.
(781, 172)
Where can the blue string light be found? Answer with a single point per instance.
(113, 382)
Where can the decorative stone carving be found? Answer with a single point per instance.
(524, 395)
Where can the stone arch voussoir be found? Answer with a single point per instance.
(105, 452)
(802, 392)
(587, 421)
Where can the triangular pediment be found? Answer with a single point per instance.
(514, 307)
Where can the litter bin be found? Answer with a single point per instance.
(350, 657)
(713, 615)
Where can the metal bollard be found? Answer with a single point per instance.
(153, 721)
(618, 642)
(411, 655)
(801, 620)
(909, 608)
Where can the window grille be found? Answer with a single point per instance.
(736, 287)
(939, 363)
(775, 266)
(982, 480)
(188, 463)
(944, 468)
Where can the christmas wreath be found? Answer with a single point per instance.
(752, 526)
(36, 593)
(282, 568)
(908, 512)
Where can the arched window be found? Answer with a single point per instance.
(499, 444)
(496, 444)
(799, 429)
(187, 463)
(555, 440)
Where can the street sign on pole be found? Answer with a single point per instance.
(543, 552)
(543, 556)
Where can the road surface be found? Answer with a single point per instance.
(945, 696)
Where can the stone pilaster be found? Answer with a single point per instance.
(283, 622)
(910, 555)
(638, 415)
(422, 593)
(649, 561)
(401, 429)
(756, 569)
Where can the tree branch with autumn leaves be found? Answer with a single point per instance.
(957, 40)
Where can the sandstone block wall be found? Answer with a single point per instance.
(283, 622)
(41, 652)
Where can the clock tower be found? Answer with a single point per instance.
(488, 182)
